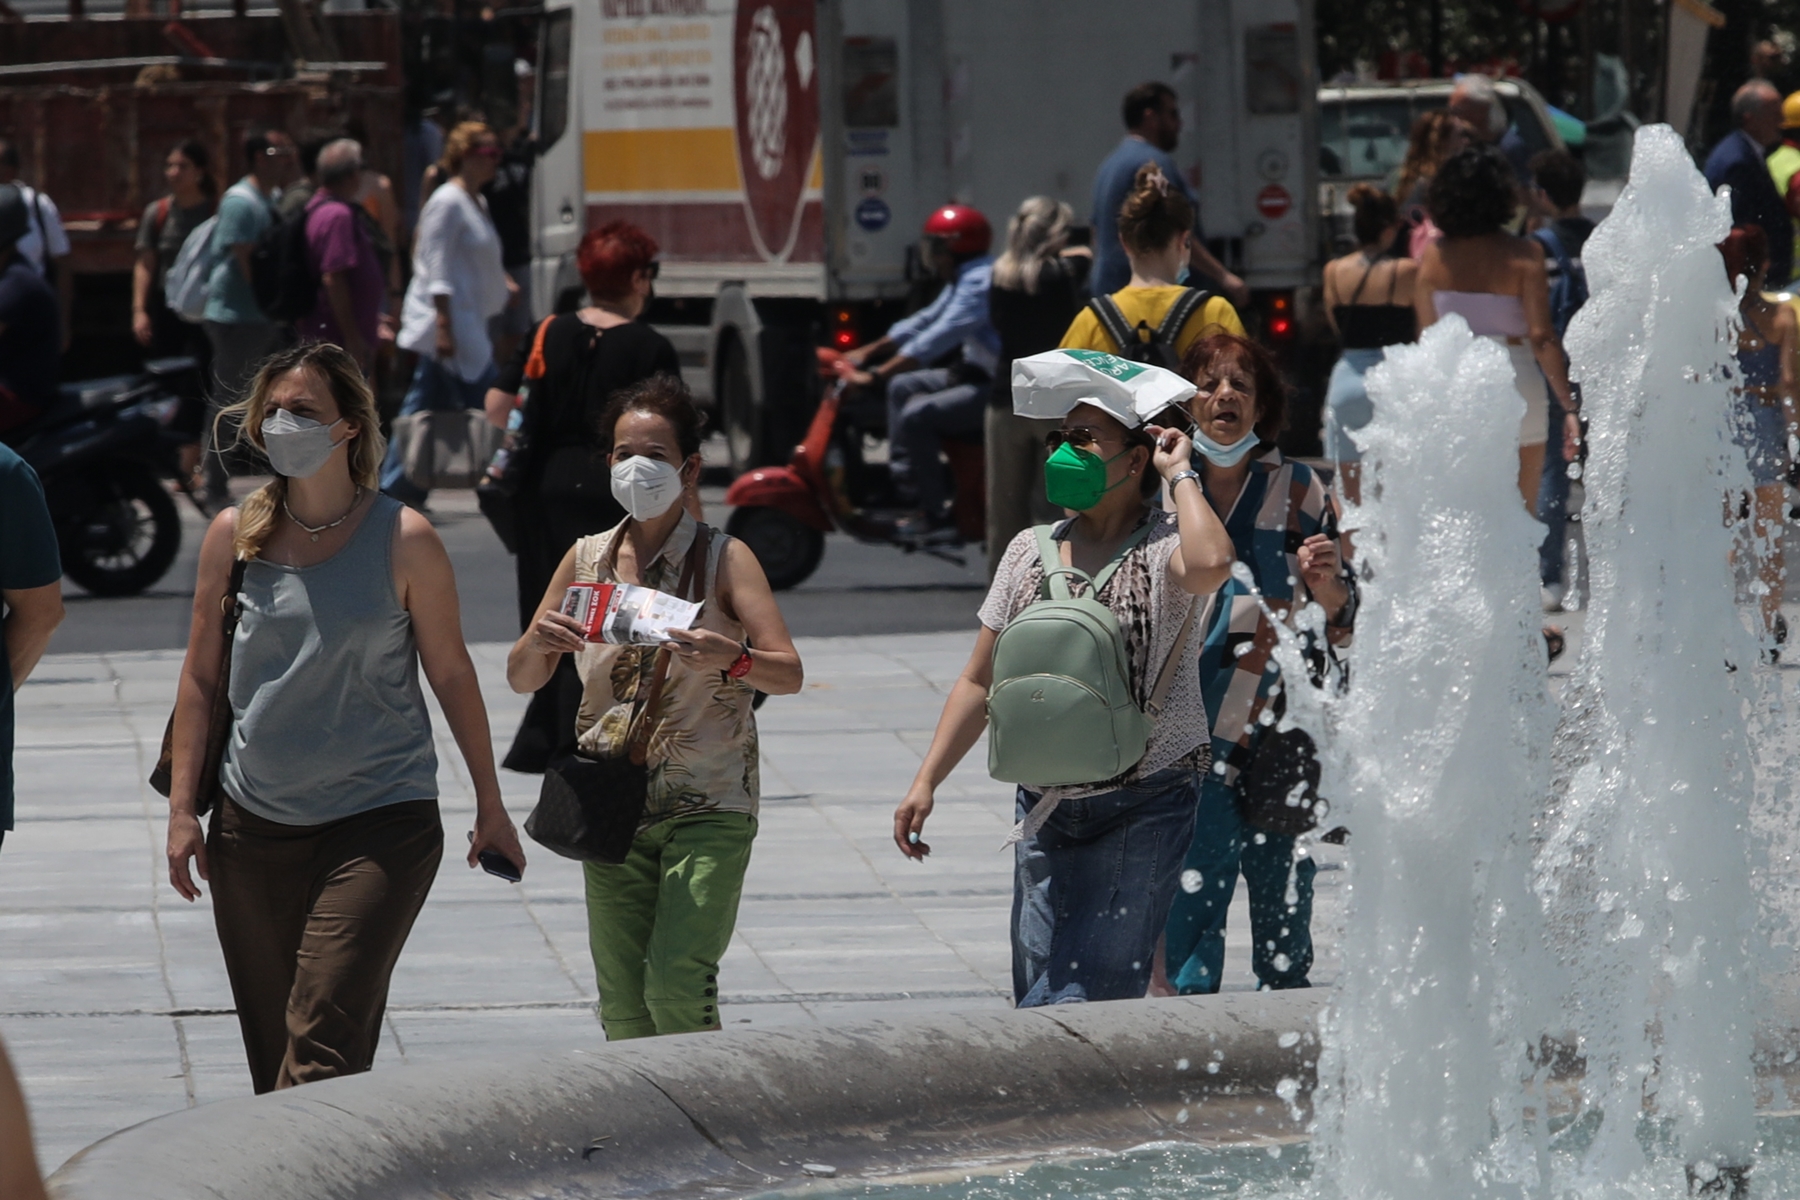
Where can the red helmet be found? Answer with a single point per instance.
(963, 229)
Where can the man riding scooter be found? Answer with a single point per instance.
(926, 401)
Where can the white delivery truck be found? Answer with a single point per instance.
(784, 153)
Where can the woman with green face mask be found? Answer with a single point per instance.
(1094, 878)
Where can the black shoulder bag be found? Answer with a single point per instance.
(589, 808)
(218, 720)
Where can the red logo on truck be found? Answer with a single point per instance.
(1273, 202)
(776, 83)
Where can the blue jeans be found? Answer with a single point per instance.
(1281, 932)
(1347, 404)
(434, 389)
(1553, 503)
(1091, 890)
(924, 406)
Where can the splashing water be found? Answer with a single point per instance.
(1504, 897)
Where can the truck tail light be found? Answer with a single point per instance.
(843, 332)
(1281, 316)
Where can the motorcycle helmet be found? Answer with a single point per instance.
(14, 220)
(962, 229)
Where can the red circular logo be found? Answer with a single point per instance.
(1273, 202)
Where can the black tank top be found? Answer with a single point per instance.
(1372, 326)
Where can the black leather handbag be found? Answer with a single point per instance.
(218, 718)
(589, 808)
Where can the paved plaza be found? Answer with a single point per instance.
(113, 995)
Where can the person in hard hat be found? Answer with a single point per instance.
(1784, 163)
(937, 365)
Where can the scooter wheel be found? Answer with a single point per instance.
(118, 533)
(788, 548)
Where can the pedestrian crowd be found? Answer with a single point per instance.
(1147, 542)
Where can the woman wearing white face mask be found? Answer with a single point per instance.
(1284, 532)
(659, 922)
(327, 838)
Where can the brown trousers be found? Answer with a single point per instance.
(312, 919)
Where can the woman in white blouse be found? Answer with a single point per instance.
(458, 283)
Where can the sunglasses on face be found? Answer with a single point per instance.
(654, 269)
(1081, 437)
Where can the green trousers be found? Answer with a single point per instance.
(659, 922)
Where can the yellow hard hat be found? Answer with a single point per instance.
(1790, 111)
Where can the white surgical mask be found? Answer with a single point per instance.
(647, 487)
(297, 446)
(1220, 455)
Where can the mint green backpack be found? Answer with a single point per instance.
(1060, 710)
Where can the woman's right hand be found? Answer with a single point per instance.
(141, 329)
(556, 633)
(909, 823)
(186, 840)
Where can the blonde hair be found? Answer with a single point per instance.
(1034, 236)
(355, 403)
(462, 139)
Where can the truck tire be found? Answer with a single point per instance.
(788, 548)
(738, 416)
(118, 530)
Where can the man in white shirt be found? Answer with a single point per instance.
(45, 244)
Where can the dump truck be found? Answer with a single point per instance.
(784, 154)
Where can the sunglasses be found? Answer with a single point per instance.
(1081, 437)
(654, 269)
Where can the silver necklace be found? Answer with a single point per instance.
(316, 530)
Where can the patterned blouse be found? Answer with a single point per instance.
(1282, 505)
(1151, 608)
(702, 755)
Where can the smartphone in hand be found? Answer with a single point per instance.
(495, 863)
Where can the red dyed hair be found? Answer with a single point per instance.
(1746, 252)
(1271, 388)
(610, 255)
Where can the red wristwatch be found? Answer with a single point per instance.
(741, 667)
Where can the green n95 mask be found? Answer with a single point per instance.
(1077, 478)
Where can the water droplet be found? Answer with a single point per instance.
(1191, 881)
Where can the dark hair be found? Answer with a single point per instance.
(256, 143)
(9, 153)
(1154, 213)
(1746, 252)
(195, 151)
(664, 396)
(611, 255)
(1376, 211)
(310, 144)
(1473, 193)
(1560, 176)
(1143, 99)
(1271, 388)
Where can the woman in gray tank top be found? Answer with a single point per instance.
(327, 839)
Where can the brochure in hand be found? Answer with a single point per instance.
(625, 614)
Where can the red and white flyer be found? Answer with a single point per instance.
(625, 614)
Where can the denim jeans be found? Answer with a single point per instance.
(1347, 404)
(924, 406)
(435, 388)
(1553, 503)
(1091, 890)
(1280, 929)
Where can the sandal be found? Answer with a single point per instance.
(1554, 642)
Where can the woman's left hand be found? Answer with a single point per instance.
(494, 831)
(703, 649)
(1322, 570)
(1174, 450)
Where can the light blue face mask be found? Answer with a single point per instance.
(1221, 455)
(1181, 276)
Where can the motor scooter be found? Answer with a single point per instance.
(830, 483)
(102, 451)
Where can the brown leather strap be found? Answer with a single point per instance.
(639, 744)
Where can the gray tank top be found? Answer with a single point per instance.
(327, 717)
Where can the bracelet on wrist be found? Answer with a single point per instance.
(1189, 473)
(741, 666)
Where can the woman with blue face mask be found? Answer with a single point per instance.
(1156, 225)
(1284, 539)
(328, 837)
(1093, 879)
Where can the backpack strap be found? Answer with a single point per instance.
(1165, 680)
(1176, 319)
(535, 365)
(1056, 576)
(162, 213)
(1106, 311)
